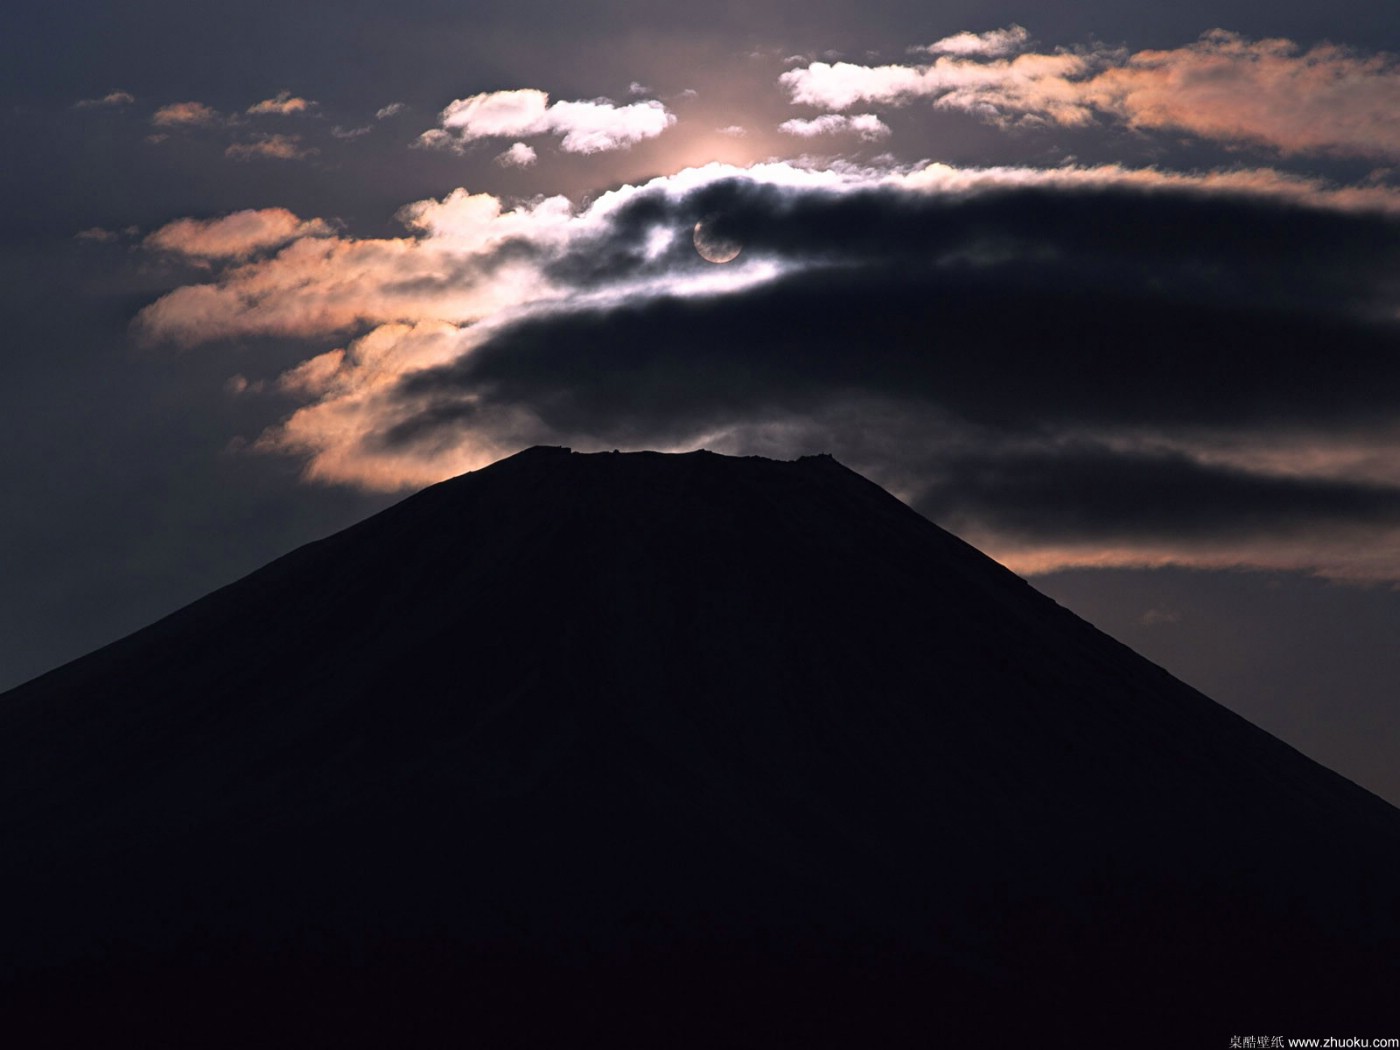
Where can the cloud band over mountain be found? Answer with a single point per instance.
(1010, 328)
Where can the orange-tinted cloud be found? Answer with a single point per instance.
(184, 114)
(235, 236)
(1263, 183)
(992, 44)
(1361, 554)
(317, 285)
(1223, 87)
(346, 390)
(112, 98)
(275, 147)
(283, 103)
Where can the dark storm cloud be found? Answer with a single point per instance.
(1219, 247)
(1093, 492)
(1022, 322)
(1016, 309)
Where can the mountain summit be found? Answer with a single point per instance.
(676, 750)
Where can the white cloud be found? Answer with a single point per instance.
(992, 44)
(518, 156)
(498, 114)
(391, 110)
(583, 127)
(592, 127)
(1000, 90)
(844, 84)
(868, 126)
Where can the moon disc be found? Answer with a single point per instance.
(713, 248)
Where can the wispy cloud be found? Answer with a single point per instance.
(184, 114)
(582, 127)
(869, 127)
(518, 156)
(444, 270)
(1223, 87)
(112, 98)
(283, 103)
(991, 44)
(393, 109)
(235, 236)
(274, 147)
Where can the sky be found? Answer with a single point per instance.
(1111, 290)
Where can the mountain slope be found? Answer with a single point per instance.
(638, 728)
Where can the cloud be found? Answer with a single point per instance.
(184, 114)
(1094, 494)
(465, 258)
(350, 133)
(112, 98)
(283, 103)
(518, 156)
(868, 126)
(1041, 85)
(991, 44)
(275, 147)
(235, 236)
(583, 127)
(1223, 87)
(393, 109)
(1077, 366)
(1157, 617)
(349, 391)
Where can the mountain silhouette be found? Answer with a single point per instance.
(667, 750)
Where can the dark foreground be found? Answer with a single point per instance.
(666, 751)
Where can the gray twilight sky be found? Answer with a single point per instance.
(1110, 289)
